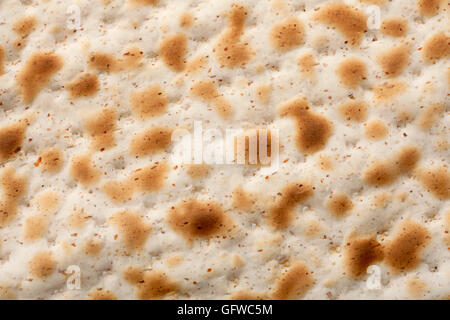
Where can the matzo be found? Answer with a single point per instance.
(92, 94)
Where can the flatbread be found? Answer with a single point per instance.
(93, 204)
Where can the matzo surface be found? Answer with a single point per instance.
(88, 105)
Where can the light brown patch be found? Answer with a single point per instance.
(312, 129)
(101, 294)
(194, 219)
(375, 129)
(394, 27)
(51, 160)
(248, 295)
(186, 20)
(197, 171)
(287, 34)
(42, 265)
(84, 85)
(243, 200)
(25, 26)
(389, 90)
(416, 287)
(133, 229)
(207, 92)
(430, 115)
(351, 72)
(11, 139)
(360, 253)
(404, 251)
(13, 188)
(92, 247)
(83, 171)
(77, 219)
(230, 50)
(151, 284)
(353, 110)
(281, 214)
(350, 21)
(263, 93)
(2, 60)
(306, 63)
(35, 227)
(36, 74)
(100, 127)
(151, 141)
(405, 160)
(339, 204)
(429, 8)
(173, 50)
(196, 64)
(294, 282)
(103, 61)
(436, 181)
(436, 47)
(394, 60)
(144, 2)
(149, 102)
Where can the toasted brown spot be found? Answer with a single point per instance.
(394, 27)
(353, 110)
(404, 251)
(151, 284)
(247, 295)
(339, 204)
(13, 187)
(281, 214)
(263, 93)
(436, 47)
(243, 200)
(42, 265)
(100, 127)
(2, 60)
(194, 219)
(77, 219)
(416, 287)
(447, 229)
(133, 229)
(430, 115)
(230, 50)
(325, 162)
(36, 74)
(83, 171)
(251, 147)
(376, 129)
(351, 22)
(351, 72)
(294, 283)
(207, 91)
(197, 171)
(103, 61)
(436, 181)
(173, 50)
(377, 2)
(151, 141)
(35, 227)
(93, 247)
(385, 172)
(149, 102)
(24, 26)
(186, 20)
(388, 90)
(429, 8)
(307, 62)
(130, 59)
(51, 160)
(393, 61)
(360, 253)
(11, 138)
(196, 63)
(101, 294)
(312, 129)
(288, 34)
(85, 85)
(144, 2)
(150, 178)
